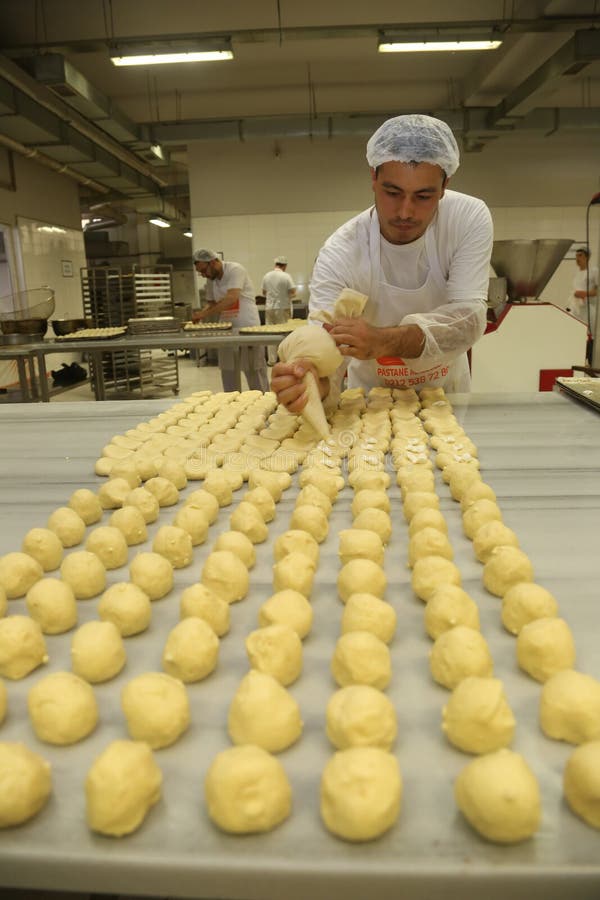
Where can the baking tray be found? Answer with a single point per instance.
(84, 335)
(266, 329)
(540, 454)
(208, 327)
(586, 390)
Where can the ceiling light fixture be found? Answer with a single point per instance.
(166, 52)
(188, 233)
(435, 42)
(162, 223)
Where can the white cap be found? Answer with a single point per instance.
(280, 260)
(414, 138)
(204, 255)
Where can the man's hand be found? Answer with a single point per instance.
(198, 315)
(355, 337)
(286, 382)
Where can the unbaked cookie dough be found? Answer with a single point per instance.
(277, 651)
(312, 519)
(191, 650)
(112, 494)
(85, 573)
(376, 520)
(157, 709)
(311, 495)
(26, 783)
(448, 606)
(264, 713)
(126, 606)
(86, 504)
(52, 604)
(570, 707)
(361, 658)
(505, 567)
(545, 647)
(68, 526)
(45, 547)
(366, 612)
(294, 572)
(427, 518)
(581, 782)
(492, 534)
(123, 783)
(327, 482)
(476, 515)
(428, 542)
(153, 573)
(361, 576)
(261, 498)
(226, 575)
(457, 653)
(361, 791)
(164, 490)
(198, 600)
(145, 502)
(173, 472)
(524, 602)
(361, 716)
(248, 519)
(247, 791)
(205, 501)
(239, 544)
(175, 544)
(369, 499)
(62, 708)
(357, 543)
(131, 523)
(22, 647)
(275, 482)
(432, 572)
(3, 701)
(372, 481)
(217, 484)
(296, 540)
(477, 717)
(500, 797)
(416, 500)
(287, 608)
(109, 545)
(194, 521)
(18, 572)
(97, 651)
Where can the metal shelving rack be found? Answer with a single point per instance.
(110, 298)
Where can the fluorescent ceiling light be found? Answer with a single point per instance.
(160, 53)
(423, 43)
(188, 233)
(162, 223)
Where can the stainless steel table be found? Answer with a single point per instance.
(541, 455)
(22, 355)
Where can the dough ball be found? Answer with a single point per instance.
(3, 601)
(366, 612)
(570, 707)
(524, 602)
(248, 520)
(361, 576)
(275, 482)
(357, 543)
(448, 606)
(103, 466)
(290, 608)
(62, 708)
(205, 501)
(311, 495)
(477, 717)
(52, 604)
(492, 534)
(369, 481)
(127, 470)
(461, 477)
(194, 521)
(361, 716)
(126, 606)
(201, 602)
(499, 796)
(327, 482)
(428, 542)
(361, 790)
(145, 502)
(361, 658)
(276, 650)
(131, 523)
(544, 647)
(109, 545)
(430, 573)
(239, 544)
(3, 701)
(86, 504)
(67, 525)
(416, 500)
(476, 515)
(45, 547)
(296, 540)
(97, 651)
(112, 494)
(294, 572)
(415, 479)
(376, 520)
(173, 471)
(226, 575)
(85, 573)
(123, 783)
(261, 498)
(152, 573)
(174, 544)
(26, 783)
(369, 499)
(477, 490)
(581, 782)
(22, 647)
(505, 567)
(427, 518)
(218, 484)
(458, 653)
(191, 650)
(247, 791)
(164, 490)
(18, 572)
(157, 709)
(311, 519)
(264, 713)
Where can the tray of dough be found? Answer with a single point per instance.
(93, 334)
(205, 327)
(281, 328)
(584, 389)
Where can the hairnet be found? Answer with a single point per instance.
(204, 255)
(414, 138)
(280, 260)
(584, 250)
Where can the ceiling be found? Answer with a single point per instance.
(300, 69)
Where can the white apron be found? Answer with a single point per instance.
(387, 307)
(252, 360)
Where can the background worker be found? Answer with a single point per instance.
(230, 294)
(278, 289)
(585, 289)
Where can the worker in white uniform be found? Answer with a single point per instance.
(421, 254)
(278, 289)
(230, 294)
(583, 299)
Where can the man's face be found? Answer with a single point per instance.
(581, 259)
(207, 269)
(407, 198)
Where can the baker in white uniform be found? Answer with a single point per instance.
(421, 254)
(585, 289)
(230, 293)
(278, 288)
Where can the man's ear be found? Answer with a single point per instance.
(373, 177)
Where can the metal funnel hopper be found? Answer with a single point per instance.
(528, 266)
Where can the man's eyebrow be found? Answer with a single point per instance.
(396, 187)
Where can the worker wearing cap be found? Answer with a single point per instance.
(421, 255)
(278, 289)
(583, 297)
(230, 294)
